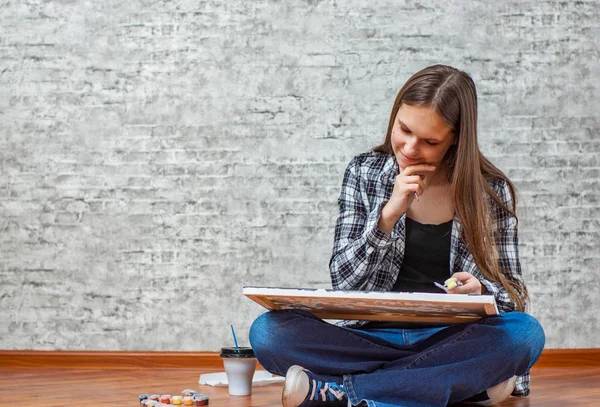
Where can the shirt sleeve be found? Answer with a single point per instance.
(507, 246)
(362, 254)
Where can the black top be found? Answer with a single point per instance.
(426, 257)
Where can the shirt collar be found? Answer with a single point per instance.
(389, 172)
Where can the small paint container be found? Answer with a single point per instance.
(143, 397)
(200, 400)
(154, 397)
(189, 392)
(165, 399)
(176, 400)
(187, 401)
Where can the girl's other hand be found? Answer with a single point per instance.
(470, 284)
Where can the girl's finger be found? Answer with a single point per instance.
(462, 289)
(418, 188)
(412, 169)
(462, 276)
(412, 179)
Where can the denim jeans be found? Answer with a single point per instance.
(401, 367)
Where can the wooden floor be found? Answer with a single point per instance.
(56, 387)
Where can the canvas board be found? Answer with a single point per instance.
(429, 308)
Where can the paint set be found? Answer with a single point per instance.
(188, 398)
(194, 398)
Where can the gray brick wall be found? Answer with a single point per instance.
(157, 156)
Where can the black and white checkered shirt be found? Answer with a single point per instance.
(364, 258)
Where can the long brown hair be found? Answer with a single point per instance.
(452, 94)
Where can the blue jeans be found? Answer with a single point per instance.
(401, 367)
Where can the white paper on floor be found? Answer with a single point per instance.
(261, 378)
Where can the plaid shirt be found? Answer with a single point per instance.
(364, 258)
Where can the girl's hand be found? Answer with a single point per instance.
(471, 284)
(408, 181)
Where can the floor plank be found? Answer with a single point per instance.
(551, 387)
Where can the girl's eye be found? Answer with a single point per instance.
(405, 130)
(430, 143)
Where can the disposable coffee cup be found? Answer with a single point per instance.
(240, 364)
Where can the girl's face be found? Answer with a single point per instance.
(420, 136)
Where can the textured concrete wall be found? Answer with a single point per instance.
(156, 156)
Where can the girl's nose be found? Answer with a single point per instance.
(410, 147)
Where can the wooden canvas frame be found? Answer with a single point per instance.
(429, 308)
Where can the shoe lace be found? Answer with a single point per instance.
(328, 390)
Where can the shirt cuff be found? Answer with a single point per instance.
(491, 287)
(376, 237)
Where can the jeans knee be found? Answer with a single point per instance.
(265, 331)
(524, 335)
(259, 332)
(271, 335)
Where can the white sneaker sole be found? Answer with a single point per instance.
(289, 398)
(498, 393)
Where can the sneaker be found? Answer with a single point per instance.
(494, 395)
(303, 388)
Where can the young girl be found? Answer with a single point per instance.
(424, 206)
